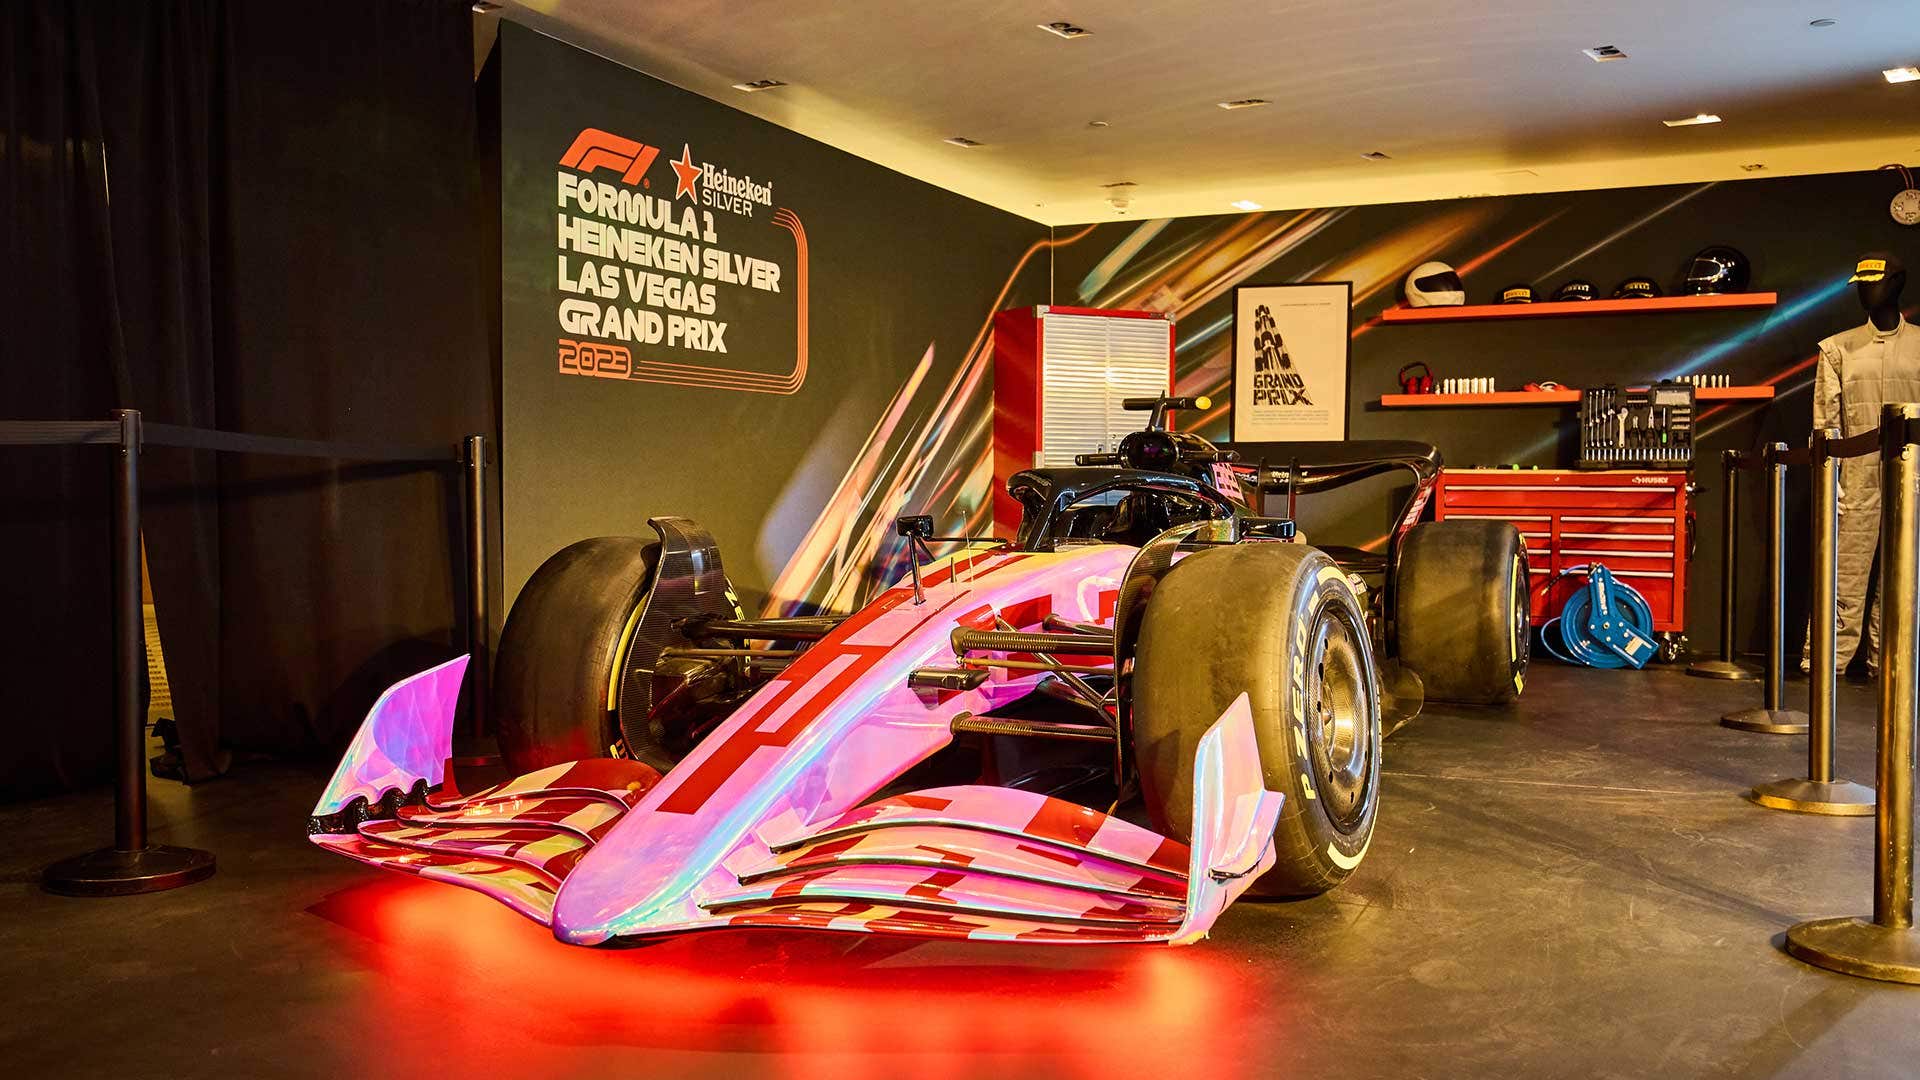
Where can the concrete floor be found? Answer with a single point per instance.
(1571, 888)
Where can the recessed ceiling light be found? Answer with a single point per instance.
(1245, 204)
(961, 140)
(1375, 155)
(1065, 30)
(1098, 124)
(1600, 54)
(758, 85)
(1905, 74)
(1244, 103)
(1821, 22)
(1689, 121)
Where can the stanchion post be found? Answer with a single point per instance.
(1726, 667)
(1771, 718)
(131, 865)
(1888, 946)
(479, 627)
(1819, 792)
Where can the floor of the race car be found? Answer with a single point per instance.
(1571, 888)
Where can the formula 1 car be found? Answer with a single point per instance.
(1149, 701)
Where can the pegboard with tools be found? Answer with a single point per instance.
(1638, 427)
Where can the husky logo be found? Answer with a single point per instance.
(1274, 380)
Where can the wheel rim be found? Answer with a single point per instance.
(1522, 628)
(1340, 728)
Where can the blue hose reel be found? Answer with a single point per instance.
(1605, 625)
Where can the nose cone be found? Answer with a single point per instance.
(584, 936)
(640, 879)
(594, 910)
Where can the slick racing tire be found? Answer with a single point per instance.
(1460, 610)
(1280, 623)
(555, 680)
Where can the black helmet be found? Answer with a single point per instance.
(1517, 294)
(1717, 269)
(1575, 289)
(1636, 288)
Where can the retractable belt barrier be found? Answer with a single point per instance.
(1820, 792)
(1887, 945)
(1726, 667)
(133, 864)
(1772, 717)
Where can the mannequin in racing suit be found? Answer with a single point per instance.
(1859, 370)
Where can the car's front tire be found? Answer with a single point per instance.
(1280, 623)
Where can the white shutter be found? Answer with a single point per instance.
(1139, 363)
(1091, 364)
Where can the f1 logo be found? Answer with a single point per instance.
(595, 149)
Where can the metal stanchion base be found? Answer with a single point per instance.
(1721, 669)
(1767, 721)
(1838, 798)
(122, 873)
(1856, 946)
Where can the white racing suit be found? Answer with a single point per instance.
(1859, 371)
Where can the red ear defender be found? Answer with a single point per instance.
(1421, 383)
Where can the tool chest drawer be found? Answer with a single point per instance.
(1633, 522)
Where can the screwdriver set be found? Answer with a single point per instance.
(1643, 427)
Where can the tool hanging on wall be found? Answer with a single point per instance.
(1605, 625)
(1650, 427)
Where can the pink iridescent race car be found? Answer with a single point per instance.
(1150, 701)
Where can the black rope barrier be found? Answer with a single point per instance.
(1772, 717)
(133, 864)
(1820, 792)
(1887, 945)
(1725, 666)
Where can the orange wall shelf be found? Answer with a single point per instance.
(1562, 396)
(1469, 313)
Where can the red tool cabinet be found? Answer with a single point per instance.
(1633, 522)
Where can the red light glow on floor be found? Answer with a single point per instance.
(465, 983)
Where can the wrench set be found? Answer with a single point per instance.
(1645, 427)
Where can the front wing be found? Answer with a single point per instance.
(960, 862)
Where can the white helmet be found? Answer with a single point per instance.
(1435, 284)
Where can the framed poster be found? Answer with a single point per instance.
(1290, 352)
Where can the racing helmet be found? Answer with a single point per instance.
(1435, 284)
(1575, 289)
(1638, 287)
(1518, 293)
(1717, 269)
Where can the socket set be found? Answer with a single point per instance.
(1717, 382)
(1479, 385)
(1650, 427)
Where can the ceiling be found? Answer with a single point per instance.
(1467, 97)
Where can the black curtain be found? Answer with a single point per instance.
(257, 217)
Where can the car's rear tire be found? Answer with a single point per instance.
(555, 680)
(1460, 610)
(1280, 623)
